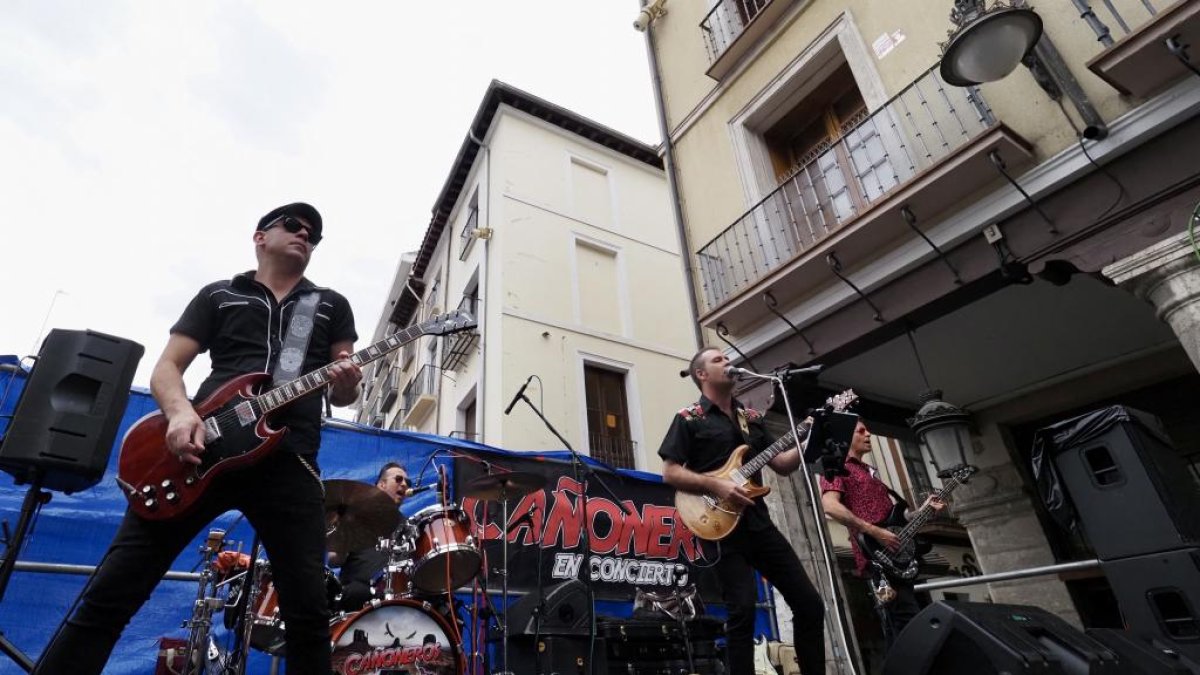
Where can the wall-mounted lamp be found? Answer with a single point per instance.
(987, 44)
(482, 233)
(944, 430)
(650, 12)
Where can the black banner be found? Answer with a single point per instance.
(648, 548)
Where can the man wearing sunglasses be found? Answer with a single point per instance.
(243, 323)
(360, 567)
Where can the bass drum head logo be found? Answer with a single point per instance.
(400, 636)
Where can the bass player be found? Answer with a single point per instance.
(859, 500)
(701, 438)
(244, 324)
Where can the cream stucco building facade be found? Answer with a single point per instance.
(556, 233)
(844, 205)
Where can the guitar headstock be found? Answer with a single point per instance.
(842, 402)
(448, 323)
(963, 473)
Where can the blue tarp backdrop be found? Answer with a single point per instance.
(77, 528)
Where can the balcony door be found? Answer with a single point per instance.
(608, 416)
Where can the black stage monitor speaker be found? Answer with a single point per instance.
(557, 654)
(1144, 657)
(565, 611)
(65, 422)
(1159, 597)
(1132, 491)
(952, 638)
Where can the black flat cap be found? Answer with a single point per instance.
(298, 210)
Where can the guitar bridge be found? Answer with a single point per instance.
(716, 505)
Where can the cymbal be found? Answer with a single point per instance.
(504, 486)
(357, 515)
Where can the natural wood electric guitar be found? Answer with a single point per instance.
(237, 429)
(713, 519)
(903, 561)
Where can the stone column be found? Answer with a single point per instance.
(1167, 275)
(1006, 536)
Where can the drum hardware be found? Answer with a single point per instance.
(206, 604)
(503, 488)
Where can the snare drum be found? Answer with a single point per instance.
(397, 636)
(444, 549)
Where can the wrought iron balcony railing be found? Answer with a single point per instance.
(875, 154)
(424, 383)
(727, 20)
(613, 450)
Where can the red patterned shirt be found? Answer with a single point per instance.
(866, 496)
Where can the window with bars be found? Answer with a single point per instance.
(609, 437)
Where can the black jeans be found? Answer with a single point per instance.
(765, 549)
(285, 504)
(895, 615)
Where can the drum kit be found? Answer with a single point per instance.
(410, 624)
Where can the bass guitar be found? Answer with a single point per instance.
(713, 519)
(237, 429)
(902, 562)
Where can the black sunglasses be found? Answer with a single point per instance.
(294, 225)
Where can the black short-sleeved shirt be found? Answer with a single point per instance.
(242, 326)
(701, 438)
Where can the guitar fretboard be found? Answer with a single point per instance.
(310, 382)
(926, 512)
(784, 442)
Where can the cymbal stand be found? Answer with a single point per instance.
(504, 581)
(207, 602)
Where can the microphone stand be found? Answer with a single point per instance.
(818, 513)
(583, 474)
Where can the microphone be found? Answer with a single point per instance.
(421, 488)
(735, 372)
(520, 393)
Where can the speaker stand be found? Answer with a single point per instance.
(35, 497)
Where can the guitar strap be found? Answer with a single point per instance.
(899, 500)
(744, 424)
(295, 343)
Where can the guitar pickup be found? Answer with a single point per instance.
(212, 430)
(245, 414)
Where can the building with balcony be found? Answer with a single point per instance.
(1013, 244)
(556, 234)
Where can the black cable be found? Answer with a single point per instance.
(1121, 193)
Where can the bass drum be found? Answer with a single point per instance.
(397, 636)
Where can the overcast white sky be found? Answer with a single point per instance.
(140, 141)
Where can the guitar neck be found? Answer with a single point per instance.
(926, 512)
(310, 382)
(760, 460)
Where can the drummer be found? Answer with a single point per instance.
(360, 566)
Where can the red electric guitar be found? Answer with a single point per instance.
(237, 429)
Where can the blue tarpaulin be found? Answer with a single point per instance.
(77, 528)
